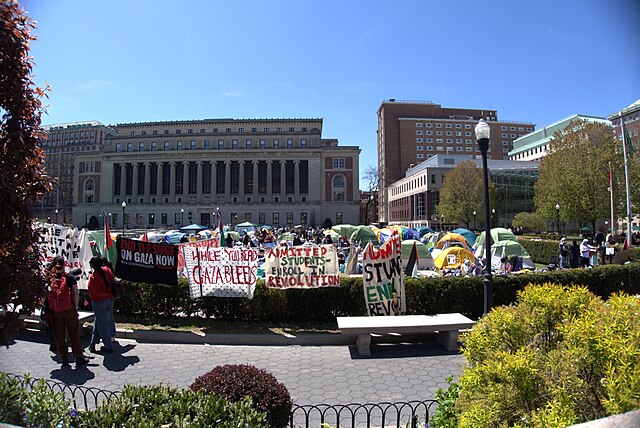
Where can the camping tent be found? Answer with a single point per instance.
(364, 234)
(450, 240)
(509, 249)
(497, 234)
(193, 228)
(453, 257)
(423, 230)
(468, 235)
(425, 260)
(247, 226)
(344, 229)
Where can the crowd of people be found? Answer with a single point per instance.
(582, 254)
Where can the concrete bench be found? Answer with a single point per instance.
(34, 320)
(448, 327)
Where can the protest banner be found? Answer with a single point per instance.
(383, 278)
(221, 272)
(182, 266)
(148, 262)
(70, 243)
(302, 267)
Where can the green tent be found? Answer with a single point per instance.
(497, 234)
(407, 246)
(344, 229)
(363, 235)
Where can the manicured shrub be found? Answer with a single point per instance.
(236, 382)
(157, 405)
(560, 356)
(12, 395)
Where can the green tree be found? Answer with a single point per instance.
(462, 193)
(371, 179)
(574, 173)
(530, 222)
(22, 178)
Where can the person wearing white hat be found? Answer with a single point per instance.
(585, 253)
(563, 249)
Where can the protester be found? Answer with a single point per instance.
(585, 253)
(574, 260)
(563, 249)
(63, 299)
(610, 248)
(102, 303)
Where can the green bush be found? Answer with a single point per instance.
(445, 416)
(237, 381)
(423, 296)
(38, 406)
(560, 356)
(157, 405)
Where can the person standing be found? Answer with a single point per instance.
(574, 260)
(610, 248)
(63, 299)
(585, 253)
(563, 249)
(102, 303)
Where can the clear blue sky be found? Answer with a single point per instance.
(149, 60)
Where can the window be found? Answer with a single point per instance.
(248, 144)
(262, 144)
(458, 133)
(141, 147)
(192, 145)
(458, 140)
(438, 140)
(419, 156)
(429, 140)
(512, 128)
(419, 148)
(468, 149)
(154, 132)
(513, 135)
(215, 130)
(278, 129)
(254, 129)
(292, 130)
(265, 130)
(467, 134)
(504, 143)
(504, 135)
(143, 133)
(338, 163)
(234, 144)
(276, 143)
(221, 144)
(458, 149)
(154, 146)
(418, 125)
(240, 129)
(289, 218)
(504, 128)
(207, 144)
(433, 179)
(166, 146)
(338, 185)
(166, 131)
(261, 218)
(438, 125)
(303, 218)
(438, 132)
(429, 132)
(289, 143)
(448, 125)
(339, 219)
(202, 130)
(132, 133)
(430, 148)
(179, 145)
(449, 140)
(418, 132)
(467, 141)
(228, 130)
(428, 125)
(418, 140)
(448, 133)
(89, 167)
(178, 131)
(276, 218)
(129, 147)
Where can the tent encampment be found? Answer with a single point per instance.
(425, 261)
(453, 257)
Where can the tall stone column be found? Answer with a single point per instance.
(296, 181)
(185, 182)
(241, 181)
(134, 186)
(123, 181)
(227, 181)
(172, 182)
(283, 179)
(255, 181)
(214, 181)
(199, 181)
(269, 178)
(147, 181)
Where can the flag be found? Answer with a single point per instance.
(625, 246)
(352, 260)
(145, 238)
(220, 227)
(412, 264)
(108, 242)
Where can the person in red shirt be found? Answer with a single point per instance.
(102, 304)
(62, 298)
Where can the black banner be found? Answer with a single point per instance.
(148, 262)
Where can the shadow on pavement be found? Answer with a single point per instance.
(73, 375)
(402, 350)
(117, 361)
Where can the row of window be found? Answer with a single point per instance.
(458, 133)
(534, 151)
(217, 130)
(206, 145)
(468, 126)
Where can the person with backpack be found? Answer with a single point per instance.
(63, 299)
(102, 303)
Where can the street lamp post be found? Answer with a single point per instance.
(474, 220)
(483, 133)
(124, 205)
(100, 221)
(493, 216)
(56, 216)
(558, 217)
(181, 217)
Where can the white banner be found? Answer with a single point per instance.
(383, 278)
(70, 243)
(302, 267)
(221, 272)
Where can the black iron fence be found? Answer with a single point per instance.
(414, 414)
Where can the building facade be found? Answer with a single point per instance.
(630, 115)
(413, 199)
(410, 132)
(61, 145)
(535, 145)
(277, 172)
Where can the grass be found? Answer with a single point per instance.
(211, 326)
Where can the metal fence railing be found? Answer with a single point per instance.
(414, 414)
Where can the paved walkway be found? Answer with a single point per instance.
(312, 374)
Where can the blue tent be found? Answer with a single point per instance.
(423, 230)
(468, 235)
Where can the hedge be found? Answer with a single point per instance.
(423, 296)
(541, 251)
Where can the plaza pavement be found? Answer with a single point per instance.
(330, 373)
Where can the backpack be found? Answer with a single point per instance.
(59, 297)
